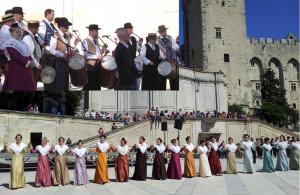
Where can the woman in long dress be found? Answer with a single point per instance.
(19, 76)
(213, 158)
(268, 165)
(174, 166)
(294, 154)
(248, 157)
(204, 168)
(101, 173)
(282, 163)
(140, 171)
(122, 166)
(61, 172)
(189, 161)
(43, 171)
(18, 149)
(80, 171)
(231, 160)
(159, 169)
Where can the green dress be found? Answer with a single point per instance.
(294, 156)
(268, 165)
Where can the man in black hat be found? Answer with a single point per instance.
(128, 72)
(94, 54)
(170, 48)
(60, 50)
(152, 56)
(19, 16)
(133, 44)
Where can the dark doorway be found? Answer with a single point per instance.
(35, 139)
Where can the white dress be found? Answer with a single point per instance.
(204, 168)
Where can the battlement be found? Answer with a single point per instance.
(271, 41)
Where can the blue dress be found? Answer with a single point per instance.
(268, 165)
(248, 158)
(282, 163)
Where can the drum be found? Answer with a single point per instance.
(48, 75)
(139, 63)
(167, 69)
(109, 73)
(78, 71)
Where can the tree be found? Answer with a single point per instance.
(275, 108)
(234, 108)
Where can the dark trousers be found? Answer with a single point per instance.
(254, 156)
(131, 87)
(174, 84)
(150, 80)
(93, 77)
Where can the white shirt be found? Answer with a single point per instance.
(123, 150)
(103, 147)
(202, 150)
(42, 30)
(17, 149)
(80, 151)
(267, 146)
(190, 147)
(282, 145)
(175, 149)
(44, 151)
(61, 149)
(214, 145)
(160, 148)
(21, 25)
(87, 54)
(142, 147)
(28, 40)
(295, 145)
(248, 144)
(231, 147)
(53, 44)
(4, 35)
(146, 61)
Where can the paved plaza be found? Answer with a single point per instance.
(277, 183)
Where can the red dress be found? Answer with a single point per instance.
(214, 162)
(18, 77)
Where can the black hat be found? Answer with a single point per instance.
(56, 20)
(9, 11)
(152, 36)
(15, 25)
(93, 27)
(63, 22)
(7, 17)
(162, 28)
(17, 10)
(128, 25)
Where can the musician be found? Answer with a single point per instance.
(46, 29)
(152, 56)
(7, 21)
(19, 16)
(60, 51)
(128, 72)
(93, 54)
(133, 43)
(170, 48)
(30, 39)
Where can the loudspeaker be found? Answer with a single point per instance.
(178, 124)
(164, 126)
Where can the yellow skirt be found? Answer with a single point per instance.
(231, 163)
(61, 172)
(17, 177)
(101, 174)
(189, 165)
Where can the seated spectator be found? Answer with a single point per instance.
(100, 131)
(114, 126)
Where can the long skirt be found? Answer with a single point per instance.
(231, 163)
(282, 163)
(174, 167)
(214, 163)
(268, 165)
(204, 169)
(122, 168)
(60, 173)
(43, 172)
(248, 161)
(17, 177)
(140, 171)
(101, 174)
(294, 159)
(80, 172)
(189, 165)
(159, 169)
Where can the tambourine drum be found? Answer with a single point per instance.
(48, 75)
(139, 63)
(109, 75)
(78, 70)
(167, 69)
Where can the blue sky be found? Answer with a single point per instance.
(271, 18)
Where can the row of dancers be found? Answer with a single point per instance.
(209, 163)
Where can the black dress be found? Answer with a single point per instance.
(159, 169)
(140, 171)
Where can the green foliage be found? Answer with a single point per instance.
(234, 108)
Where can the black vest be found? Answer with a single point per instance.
(153, 55)
(133, 46)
